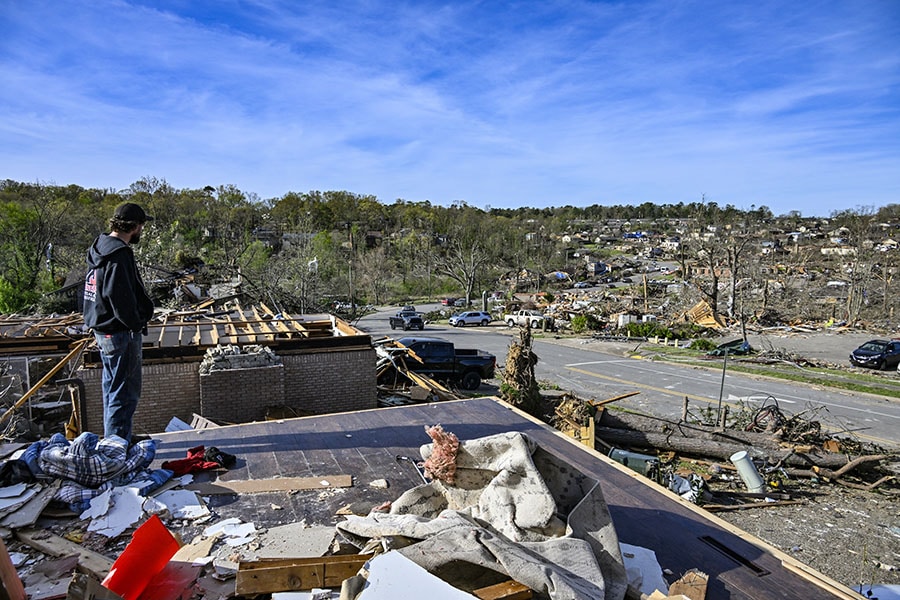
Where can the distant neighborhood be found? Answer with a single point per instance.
(339, 251)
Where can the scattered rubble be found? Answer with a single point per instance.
(223, 358)
(689, 457)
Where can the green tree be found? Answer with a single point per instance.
(35, 225)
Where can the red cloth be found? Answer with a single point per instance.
(192, 464)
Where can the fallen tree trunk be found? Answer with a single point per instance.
(661, 425)
(721, 450)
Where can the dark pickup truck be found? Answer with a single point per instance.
(442, 361)
(406, 320)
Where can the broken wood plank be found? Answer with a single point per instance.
(692, 585)
(89, 562)
(727, 507)
(266, 576)
(264, 323)
(201, 422)
(598, 403)
(198, 548)
(77, 348)
(506, 590)
(12, 585)
(299, 323)
(277, 484)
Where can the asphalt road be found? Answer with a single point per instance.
(599, 370)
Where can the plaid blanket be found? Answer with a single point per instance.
(90, 465)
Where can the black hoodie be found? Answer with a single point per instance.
(114, 295)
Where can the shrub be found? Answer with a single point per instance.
(652, 329)
(703, 344)
(582, 323)
(579, 323)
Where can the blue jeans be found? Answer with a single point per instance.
(121, 384)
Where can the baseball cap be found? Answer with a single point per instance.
(129, 211)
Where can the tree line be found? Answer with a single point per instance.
(302, 251)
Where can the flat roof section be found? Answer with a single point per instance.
(365, 445)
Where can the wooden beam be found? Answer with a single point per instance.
(692, 585)
(264, 323)
(12, 585)
(89, 562)
(76, 350)
(266, 576)
(507, 590)
(597, 403)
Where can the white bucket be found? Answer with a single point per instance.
(748, 472)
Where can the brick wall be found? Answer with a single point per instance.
(313, 382)
(329, 382)
(241, 395)
(168, 390)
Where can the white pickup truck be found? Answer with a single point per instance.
(530, 318)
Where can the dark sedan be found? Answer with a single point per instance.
(877, 354)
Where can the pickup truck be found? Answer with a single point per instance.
(407, 319)
(530, 318)
(441, 360)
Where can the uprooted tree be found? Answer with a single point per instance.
(519, 386)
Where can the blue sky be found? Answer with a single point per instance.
(792, 105)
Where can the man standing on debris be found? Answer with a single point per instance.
(117, 309)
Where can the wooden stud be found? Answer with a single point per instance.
(12, 585)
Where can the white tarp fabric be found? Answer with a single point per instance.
(514, 509)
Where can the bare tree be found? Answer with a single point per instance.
(372, 269)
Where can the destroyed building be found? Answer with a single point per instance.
(323, 365)
(343, 466)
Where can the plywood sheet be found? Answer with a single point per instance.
(271, 485)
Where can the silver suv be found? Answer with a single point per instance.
(471, 317)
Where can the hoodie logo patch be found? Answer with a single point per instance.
(90, 286)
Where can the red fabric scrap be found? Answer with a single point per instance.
(194, 462)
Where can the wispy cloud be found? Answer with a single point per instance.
(576, 102)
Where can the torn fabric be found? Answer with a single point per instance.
(515, 510)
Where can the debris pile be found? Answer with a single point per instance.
(224, 358)
(785, 448)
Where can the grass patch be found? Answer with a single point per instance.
(824, 377)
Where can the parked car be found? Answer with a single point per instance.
(407, 319)
(459, 302)
(583, 284)
(472, 317)
(448, 301)
(441, 360)
(877, 354)
(528, 318)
